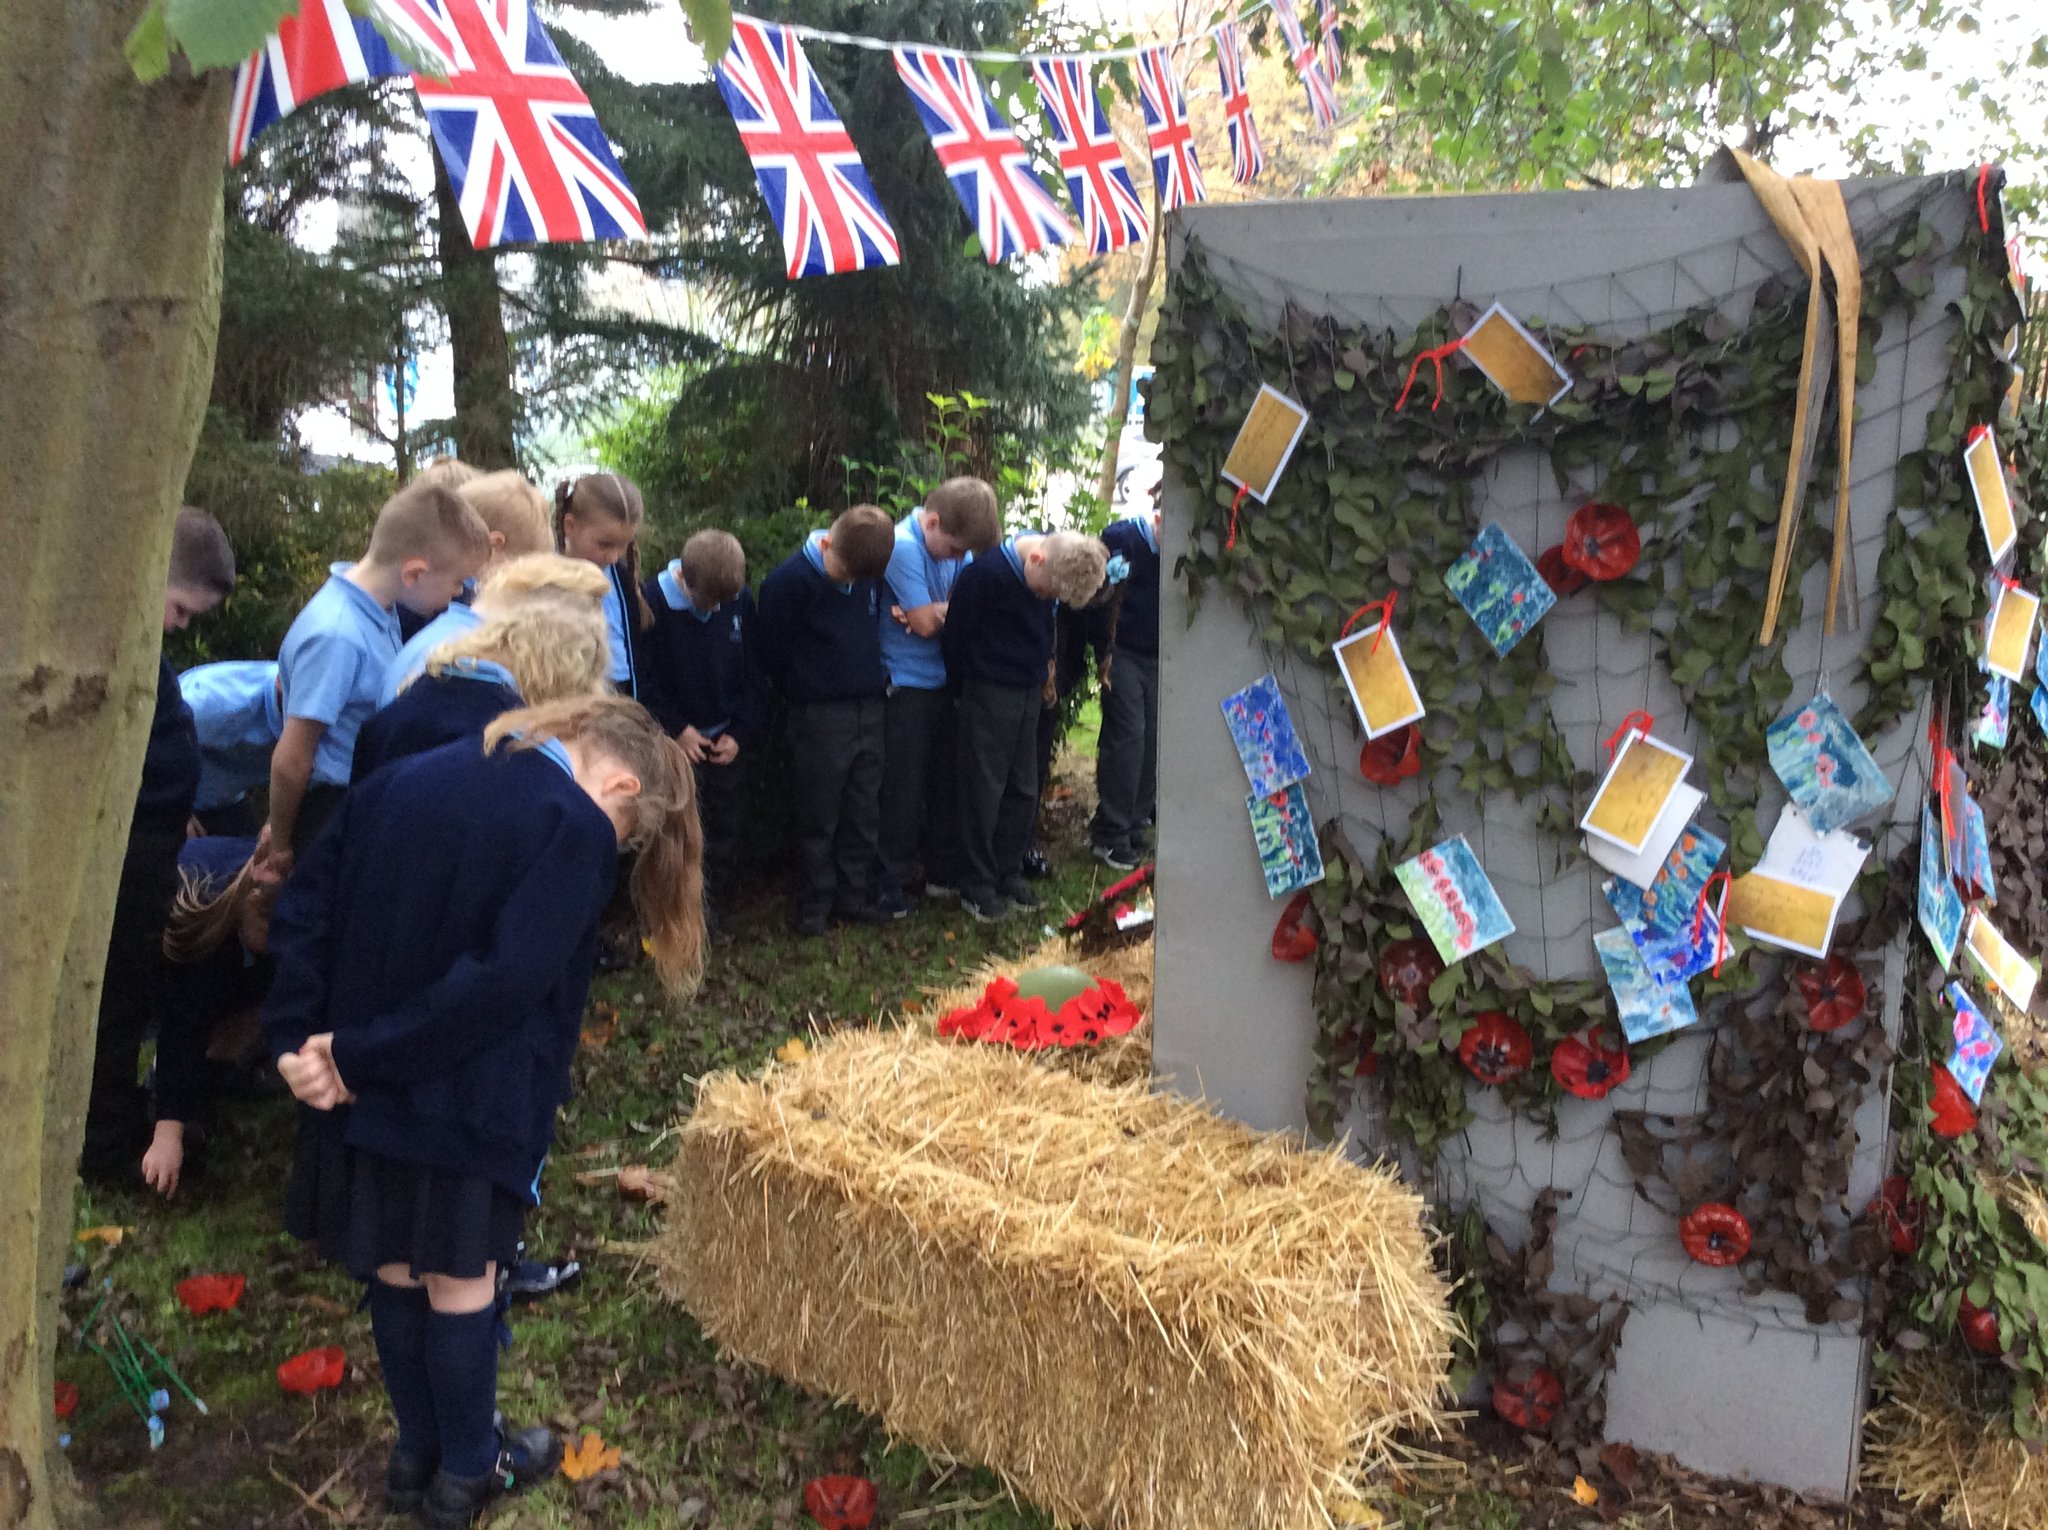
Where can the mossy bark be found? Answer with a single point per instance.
(486, 405)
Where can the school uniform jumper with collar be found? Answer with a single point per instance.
(458, 703)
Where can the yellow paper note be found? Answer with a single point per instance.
(1994, 505)
(2010, 632)
(2010, 971)
(1381, 687)
(1638, 785)
(1783, 913)
(1264, 443)
(1513, 359)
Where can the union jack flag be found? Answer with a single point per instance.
(1322, 99)
(320, 49)
(1174, 169)
(522, 145)
(1097, 178)
(990, 170)
(1247, 157)
(810, 174)
(1333, 50)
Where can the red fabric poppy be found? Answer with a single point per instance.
(1496, 1049)
(1953, 1112)
(1406, 969)
(202, 1294)
(1528, 1399)
(66, 1399)
(1393, 757)
(1980, 1328)
(1834, 993)
(1902, 1214)
(840, 1503)
(1588, 1067)
(1294, 941)
(317, 1370)
(1715, 1234)
(1601, 541)
(1562, 578)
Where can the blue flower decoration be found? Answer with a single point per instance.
(1118, 569)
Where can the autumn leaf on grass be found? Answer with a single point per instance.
(794, 1050)
(589, 1456)
(1355, 1514)
(604, 1025)
(638, 1183)
(1584, 1492)
(111, 1236)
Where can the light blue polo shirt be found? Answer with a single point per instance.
(452, 623)
(333, 663)
(916, 578)
(615, 626)
(237, 716)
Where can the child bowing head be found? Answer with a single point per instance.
(597, 519)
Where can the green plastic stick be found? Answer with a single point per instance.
(169, 1371)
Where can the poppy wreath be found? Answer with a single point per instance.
(1586, 1066)
(1003, 1017)
(1715, 1234)
(1406, 969)
(1901, 1214)
(1953, 1113)
(1834, 993)
(841, 1503)
(317, 1370)
(1528, 1398)
(1562, 578)
(1393, 757)
(1496, 1048)
(1294, 941)
(1979, 1326)
(1601, 541)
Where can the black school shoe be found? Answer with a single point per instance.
(891, 904)
(405, 1481)
(524, 1458)
(1021, 896)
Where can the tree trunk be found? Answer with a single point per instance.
(110, 218)
(486, 407)
(1127, 355)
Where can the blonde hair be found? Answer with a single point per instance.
(668, 877)
(1075, 566)
(203, 917)
(430, 521)
(541, 575)
(618, 499)
(967, 512)
(513, 509)
(554, 650)
(714, 566)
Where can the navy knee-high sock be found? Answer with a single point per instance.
(398, 1320)
(462, 1360)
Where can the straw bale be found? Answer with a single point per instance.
(1928, 1442)
(1125, 1059)
(1143, 1316)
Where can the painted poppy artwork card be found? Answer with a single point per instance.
(1826, 767)
(1994, 719)
(1378, 679)
(1499, 588)
(2009, 631)
(1647, 1007)
(1289, 853)
(1940, 905)
(1987, 485)
(1265, 442)
(1638, 789)
(2011, 973)
(1264, 733)
(1640, 867)
(1454, 900)
(1977, 1044)
(1972, 865)
(1514, 360)
(1674, 937)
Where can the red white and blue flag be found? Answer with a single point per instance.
(1322, 98)
(1167, 128)
(1333, 49)
(1247, 157)
(810, 174)
(322, 48)
(990, 170)
(1097, 178)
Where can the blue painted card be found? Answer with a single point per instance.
(1994, 719)
(1289, 853)
(1454, 900)
(1660, 917)
(2039, 700)
(1977, 1044)
(1647, 1007)
(1972, 860)
(1264, 733)
(1827, 770)
(1940, 905)
(1499, 588)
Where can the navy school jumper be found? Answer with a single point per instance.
(697, 671)
(432, 711)
(818, 640)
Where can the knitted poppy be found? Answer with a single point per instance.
(317, 1370)
(840, 1503)
(1528, 1398)
(1406, 969)
(1562, 578)
(1391, 758)
(1834, 993)
(1601, 541)
(66, 1399)
(1715, 1234)
(1588, 1068)
(1294, 941)
(1980, 1328)
(1953, 1112)
(1496, 1049)
(1900, 1213)
(202, 1294)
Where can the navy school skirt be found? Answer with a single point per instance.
(363, 1210)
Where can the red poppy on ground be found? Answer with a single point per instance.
(1953, 1112)
(1834, 993)
(1406, 969)
(202, 1294)
(1496, 1049)
(840, 1503)
(66, 1399)
(1294, 941)
(317, 1370)
(1562, 578)
(1528, 1399)
(1980, 1328)
(1715, 1234)
(1588, 1067)
(1901, 1213)
(1601, 541)
(1392, 758)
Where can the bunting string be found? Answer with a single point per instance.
(996, 56)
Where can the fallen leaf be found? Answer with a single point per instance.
(794, 1050)
(1619, 1457)
(326, 1304)
(1355, 1514)
(1584, 1492)
(111, 1236)
(637, 1183)
(587, 1457)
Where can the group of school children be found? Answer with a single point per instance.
(477, 745)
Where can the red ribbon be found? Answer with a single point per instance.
(1699, 916)
(1945, 789)
(1639, 722)
(1435, 357)
(1983, 210)
(1386, 611)
(1242, 490)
